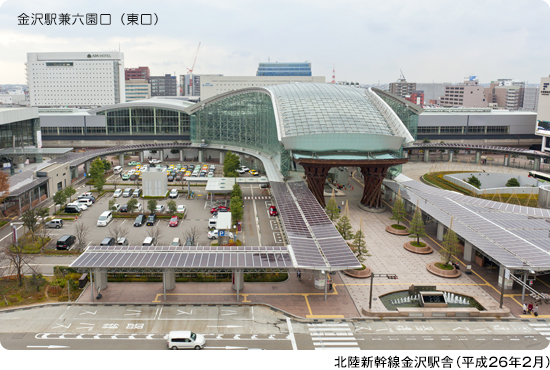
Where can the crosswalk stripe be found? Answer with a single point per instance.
(546, 325)
(337, 348)
(331, 325)
(334, 344)
(340, 334)
(332, 338)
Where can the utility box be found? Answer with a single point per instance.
(155, 182)
(224, 226)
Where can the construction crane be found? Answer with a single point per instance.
(190, 70)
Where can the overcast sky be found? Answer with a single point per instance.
(367, 40)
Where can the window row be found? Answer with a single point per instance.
(470, 130)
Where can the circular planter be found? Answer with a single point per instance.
(420, 250)
(449, 274)
(359, 274)
(393, 231)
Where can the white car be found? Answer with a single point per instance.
(213, 234)
(240, 171)
(185, 339)
(116, 207)
(155, 161)
(173, 193)
(160, 208)
(245, 169)
(86, 194)
(181, 209)
(117, 193)
(82, 207)
(131, 172)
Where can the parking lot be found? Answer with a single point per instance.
(258, 227)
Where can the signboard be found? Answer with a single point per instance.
(543, 128)
(39, 139)
(7, 165)
(221, 233)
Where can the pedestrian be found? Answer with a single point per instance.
(525, 308)
(299, 275)
(530, 307)
(536, 310)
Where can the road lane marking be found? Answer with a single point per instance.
(291, 334)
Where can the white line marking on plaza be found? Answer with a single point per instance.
(86, 312)
(180, 312)
(51, 346)
(10, 234)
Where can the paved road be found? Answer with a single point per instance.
(239, 328)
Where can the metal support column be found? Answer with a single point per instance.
(451, 155)
(181, 155)
(426, 155)
(478, 156)
(92, 284)
(222, 156)
(523, 286)
(121, 159)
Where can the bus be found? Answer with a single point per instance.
(543, 177)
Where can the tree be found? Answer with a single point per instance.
(237, 192)
(132, 205)
(112, 204)
(17, 258)
(4, 186)
(360, 245)
(81, 232)
(118, 231)
(417, 228)
(450, 245)
(332, 210)
(193, 234)
(152, 205)
(231, 163)
(237, 212)
(30, 219)
(426, 140)
(69, 192)
(399, 212)
(154, 232)
(97, 170)
(43, 213)
(59, 198)
(106, 164)
(513, 182)
(344, 227)
(172, 206)
(474, 181)
(37, 280)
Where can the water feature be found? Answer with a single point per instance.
(403, 299)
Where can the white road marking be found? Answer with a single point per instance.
(184, 313)
(123, 222)
(51, 346)
(86, 312)
(10, 234)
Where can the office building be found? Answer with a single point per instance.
(530, 98)
(140, 73)
(505, 94)
(284, 69)
(137, 89)
(75, 79)
(166, 85)
(543, 113)
(402, 88)
(432, 91)
(467, 94)
(207, 86)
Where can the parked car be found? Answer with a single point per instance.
(240, 171)
(149, 242)
(181, 209)
(185, 339)
(72, 208)
(213, 234)
(56, 223)
(212, 223)
(125, 177)
(179, 177)
(116, 207)
(173, 193)
(171, 178)
(254, 173)
(140, 220)
(65, 242)
(86, 194)
(133, 177)
(273, 211)
(220, 209)
(211, 174)
(155, 161)
(160, 208)
(176, 242)
(134, 163)
(136, 193)
(82, 207)
(108, 241)
(174, 221)
(190, 241)
(151, 219)
(245, 169)
(127, 193)
(117, 193)
(105, 218)
(122, 241)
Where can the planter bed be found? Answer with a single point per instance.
(450, 274)
(394, 231)
(426, 249)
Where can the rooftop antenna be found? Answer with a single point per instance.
(333, 74)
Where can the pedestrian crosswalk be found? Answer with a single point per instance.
(542, 328)
(332, 336)
(256, 198)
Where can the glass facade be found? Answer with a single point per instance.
(284, 69)
(245, 119)
(24, 132)
(146, 121)
(406, 115)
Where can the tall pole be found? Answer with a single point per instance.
(326, 283)
(164, 283)
(92, 284)
(523, 287)
(502, 288)
(370, 294)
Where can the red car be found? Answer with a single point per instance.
(174, 221)
(220, 209)
(273, 211)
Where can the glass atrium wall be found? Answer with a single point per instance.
(245, 119)
(146, 121)
(24, 132)
(407, 116)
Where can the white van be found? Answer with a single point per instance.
(149, 242)
(185, 339)
(117, 170)
(127, 193)
(86, 202)
(212, 223)
(105, 218)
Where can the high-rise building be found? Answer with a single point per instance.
(506, 93)
(140, 73)
(467, 94)
(166, 85)
(207, 86)
(137, 89)
(76, 79)
(284, 69)
(402, 88)
(530, 98)
(432, 90)
(543, 113)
